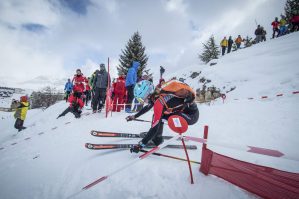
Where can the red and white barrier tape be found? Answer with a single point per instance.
(250, 149)
(267, 97)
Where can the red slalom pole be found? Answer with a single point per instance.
(169, 156)
(188, 160)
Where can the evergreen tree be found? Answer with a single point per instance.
(134, 51)
(291, 8)
(211, 51)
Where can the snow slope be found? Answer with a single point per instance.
(53, 163)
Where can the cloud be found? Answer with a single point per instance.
(56, 37)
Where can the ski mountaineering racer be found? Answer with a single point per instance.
(174, 98)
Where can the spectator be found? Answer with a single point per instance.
(131, 80)
(119, 90)
(162, 70)
(161, 82)
(91, 80)
(263, 34)
(283, 25)
(230, 43)
(258, 33)
(223, 45)
(68, 89)
(238, 41)
(295, 23)
(100, 85)
(21, 112)
(79, 81)
(87, 92)
(275, 25)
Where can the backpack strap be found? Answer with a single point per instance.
(169, 110)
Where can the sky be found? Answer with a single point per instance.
(52, 38)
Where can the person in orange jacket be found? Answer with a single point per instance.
(224, 44)
(238, 41)
(119, 90)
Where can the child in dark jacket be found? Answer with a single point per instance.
(76, 104)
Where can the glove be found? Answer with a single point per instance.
(130, 118)
(136, 148)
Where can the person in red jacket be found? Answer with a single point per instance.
(119, 90)
(76, 104)
(79, 81)
(275, 25)
(295, 23)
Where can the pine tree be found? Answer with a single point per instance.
(211, 51)
(291, 8)
(134, 51)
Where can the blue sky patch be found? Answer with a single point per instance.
(77, 6)
(33, 27)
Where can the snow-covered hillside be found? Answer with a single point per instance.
(48, 160)
(36, 83)
(5, 102)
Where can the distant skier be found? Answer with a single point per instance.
(21, 112)
(174, 98)
(282, 25)
(162, 71)
(68, 89)
(229, 44)
(76, 104)
(258, 33)
(275, 26)
(223, 45)
(264, 33)
(295, 22)
(238, 41)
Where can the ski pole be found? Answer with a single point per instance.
(140, 120)
(169, 156)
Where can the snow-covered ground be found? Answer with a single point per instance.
(54, 163)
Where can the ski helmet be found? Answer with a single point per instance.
(143, 89)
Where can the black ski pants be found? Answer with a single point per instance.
(19, 124)
(130, 90)
(98, 98)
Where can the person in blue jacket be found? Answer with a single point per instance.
(131, 80)
(68, 89)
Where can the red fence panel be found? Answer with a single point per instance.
(263, 181)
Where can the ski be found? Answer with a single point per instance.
(121, 135)
(127, 146)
